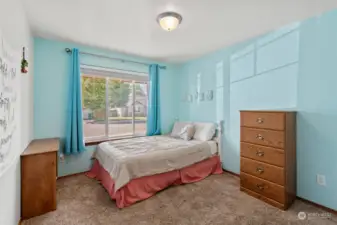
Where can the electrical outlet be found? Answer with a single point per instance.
(321, 180)
(62, 158)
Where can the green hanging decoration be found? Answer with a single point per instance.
(24, 62)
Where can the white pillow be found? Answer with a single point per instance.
(204, 131)
(187, 132)
(178, 126)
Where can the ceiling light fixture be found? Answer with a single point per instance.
(169, 20)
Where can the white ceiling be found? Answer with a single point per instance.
(129, 26)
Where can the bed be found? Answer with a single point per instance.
(134, 169)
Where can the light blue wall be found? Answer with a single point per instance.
(267, 79)
(51, 88)
(292, 68)
(317, 106)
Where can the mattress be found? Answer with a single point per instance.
(131, 158)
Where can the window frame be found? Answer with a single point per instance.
(109, 73)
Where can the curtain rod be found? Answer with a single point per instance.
(69, 51)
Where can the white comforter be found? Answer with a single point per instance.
(127, 159)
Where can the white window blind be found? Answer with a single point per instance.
(115, 73)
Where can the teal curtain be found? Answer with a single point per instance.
(153, 112)
(74, 133)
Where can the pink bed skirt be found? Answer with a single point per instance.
(144, 187)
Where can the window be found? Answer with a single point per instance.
(114, 104)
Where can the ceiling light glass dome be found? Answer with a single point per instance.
(169, 20)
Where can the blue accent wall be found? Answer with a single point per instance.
(292, 68)
(51, 86)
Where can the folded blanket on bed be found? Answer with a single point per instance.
(127, 159)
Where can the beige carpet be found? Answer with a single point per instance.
(215, 200)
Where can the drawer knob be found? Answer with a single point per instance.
(260, 153)
(260, 187)
(259, 136)
(259, 120)
(259, 170)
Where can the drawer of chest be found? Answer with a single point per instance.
(264, 154)
(267, 120)
(262, 170)
(263, 187)
(263, 137)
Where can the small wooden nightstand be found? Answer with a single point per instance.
(38, 177)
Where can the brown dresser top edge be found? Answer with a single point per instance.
(40, 146)
(269, 111)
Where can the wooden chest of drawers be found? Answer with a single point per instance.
(268, 156)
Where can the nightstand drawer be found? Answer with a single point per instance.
(264, 154)
(267, 120)
(262, 170)
(263, 137)
(263, 187)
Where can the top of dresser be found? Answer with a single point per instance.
(39, 146)
(271, 111)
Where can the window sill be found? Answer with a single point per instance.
(97, 142)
